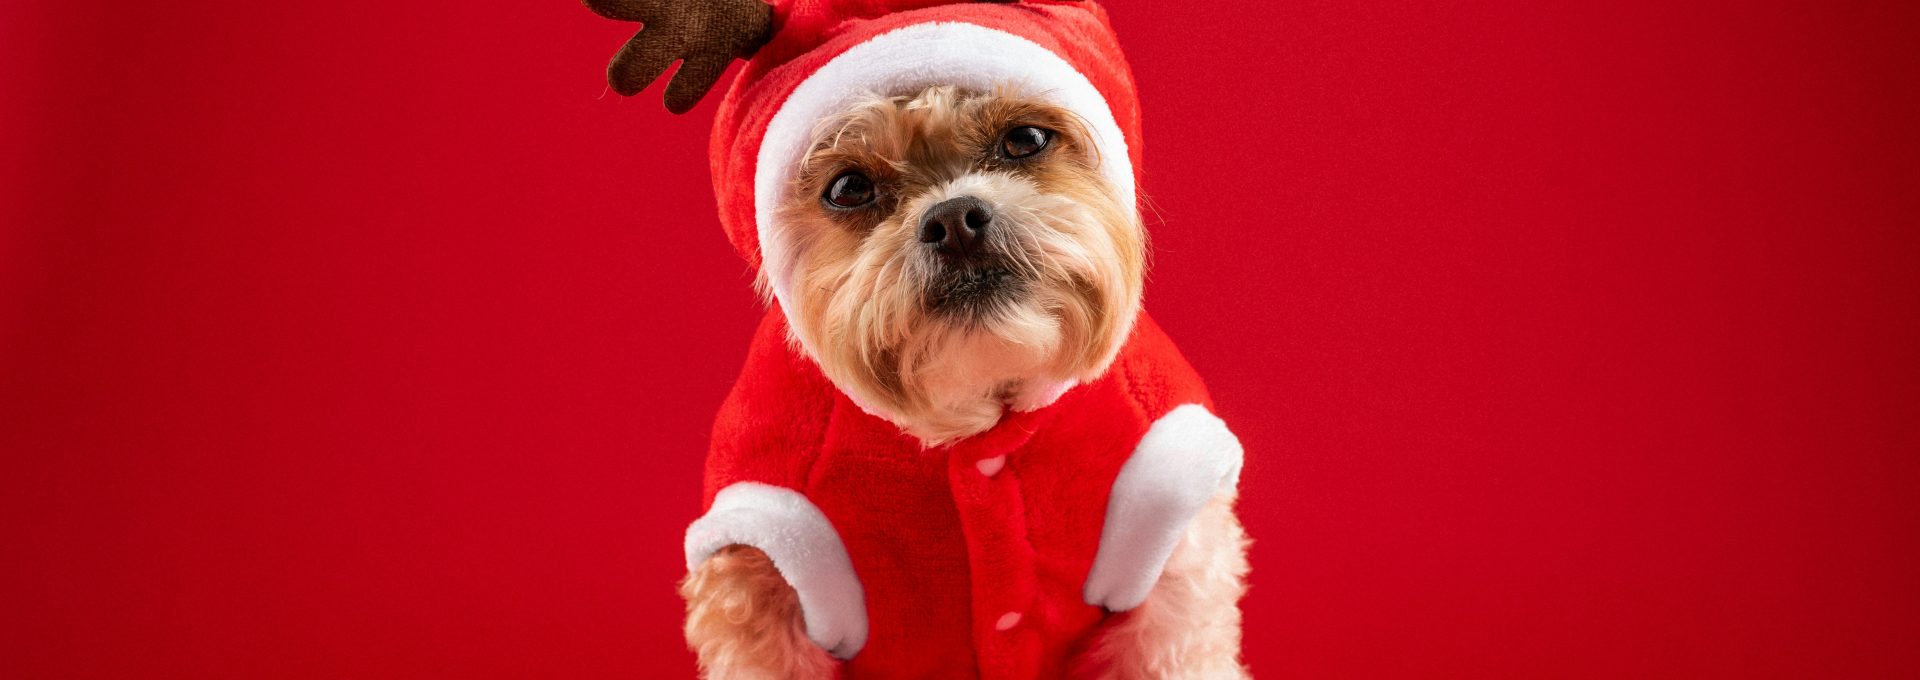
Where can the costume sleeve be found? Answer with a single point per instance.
(1185, 459)
(766, 439)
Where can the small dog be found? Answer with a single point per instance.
(958, 255)
(958, 448)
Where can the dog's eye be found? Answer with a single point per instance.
(1025, 141)
(850, 190)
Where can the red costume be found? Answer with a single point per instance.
(973, 557)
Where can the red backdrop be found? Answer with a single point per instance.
(376, 339)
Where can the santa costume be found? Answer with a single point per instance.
(996, 556)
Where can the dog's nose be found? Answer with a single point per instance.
(956, 226)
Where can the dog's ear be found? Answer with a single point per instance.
(703, 35)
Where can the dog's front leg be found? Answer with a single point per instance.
(1172, 557)
(744, 621)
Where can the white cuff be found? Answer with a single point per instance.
(804, 548)
(1186, 458)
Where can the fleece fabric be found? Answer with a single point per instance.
(973, 557)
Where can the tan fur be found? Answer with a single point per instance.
(744, 623)
(860, 280)
(858, 307)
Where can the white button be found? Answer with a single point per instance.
(991, 466)
(1007, 621)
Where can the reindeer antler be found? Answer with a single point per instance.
(703, 35)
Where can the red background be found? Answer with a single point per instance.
(376, 339)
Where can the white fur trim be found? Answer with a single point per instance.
(804, 547)
(1187, 457)
(905, 60)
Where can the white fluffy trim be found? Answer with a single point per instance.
(1187, 457)
(908, 59)
(804, 547)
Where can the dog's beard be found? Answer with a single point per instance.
(975, 291)
(942, 346)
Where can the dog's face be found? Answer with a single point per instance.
(955, 253)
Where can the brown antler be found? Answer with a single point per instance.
(703, 35)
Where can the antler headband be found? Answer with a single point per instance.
(704, 35)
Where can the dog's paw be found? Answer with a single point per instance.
(744, 621)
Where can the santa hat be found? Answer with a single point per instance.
(811, 58)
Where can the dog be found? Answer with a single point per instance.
(959, 448)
